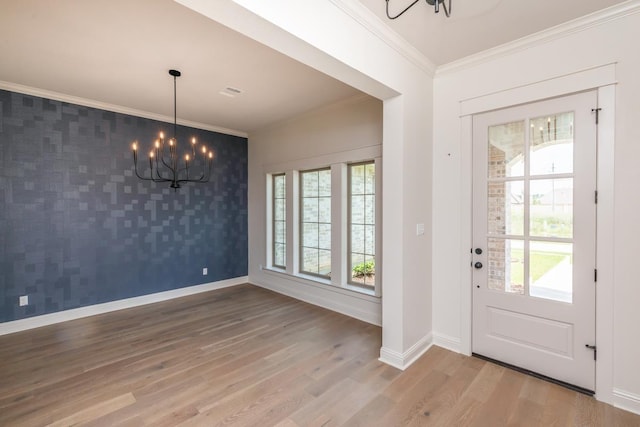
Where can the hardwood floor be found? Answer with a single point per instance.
(245, 356)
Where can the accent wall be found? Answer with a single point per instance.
(78, 228)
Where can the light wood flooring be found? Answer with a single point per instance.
(244, 356)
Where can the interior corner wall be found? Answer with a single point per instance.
(316, 139)
(597, 45)
(77, 228)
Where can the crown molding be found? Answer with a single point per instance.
(57, 96)
(365, 17)
(545, 36)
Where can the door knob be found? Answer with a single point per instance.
(478, 251)
(478, 265)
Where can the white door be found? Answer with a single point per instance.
(534, 219)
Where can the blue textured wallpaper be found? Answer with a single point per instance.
(78, 228)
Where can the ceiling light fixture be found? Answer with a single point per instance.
(167, 164)
(434, 3)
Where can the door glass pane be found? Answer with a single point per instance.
(552, 144)
(551, 271)
(506, 265)
(506, 150)
(551, 204)
(505, 210)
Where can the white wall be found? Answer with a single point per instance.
(343, 39)
(591, 45)
(348, 131)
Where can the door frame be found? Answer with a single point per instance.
(603, 80)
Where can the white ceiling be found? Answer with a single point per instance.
(119, 51)
(477, 25)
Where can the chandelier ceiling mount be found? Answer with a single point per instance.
(434, 3)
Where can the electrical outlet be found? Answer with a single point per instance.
(205, 271)
(24, 300)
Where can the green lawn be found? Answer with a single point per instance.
(541, 262)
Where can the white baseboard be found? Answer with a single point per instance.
(403, 360)
(626, 400)
(447, 341)
(92, 310)
(350, 303)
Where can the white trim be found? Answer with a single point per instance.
(446, 341)
(403, 360)
(92, 310)
(605, 244)
(370, 21)
(322, 161)
(391, 357)
(57, 96)
(577, 81)
(605, 247)
(626, 400)
(350, 303)
(600, 17)
(466, 230)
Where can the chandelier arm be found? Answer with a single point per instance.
(401, 13)
(203, 177)
(160, 180)
(170, 167)
(158, 169)
(135, 167)
(447, 11)
(183, 170)
(187, 179)
(192, 180)
(142, 177)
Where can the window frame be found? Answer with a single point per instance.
(273, 220)
(349, 250)
(338, 164)
(301, 222)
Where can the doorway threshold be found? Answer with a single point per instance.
(536, 375)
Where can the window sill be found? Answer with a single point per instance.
(345, 289)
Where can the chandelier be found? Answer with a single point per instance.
(166, 164)
(434, 3)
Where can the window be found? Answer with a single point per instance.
(321, 222)
(279, 226)
(315, 221)
(362, 224)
